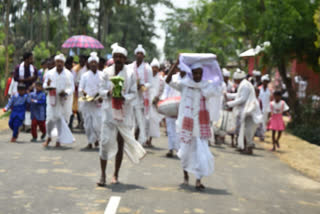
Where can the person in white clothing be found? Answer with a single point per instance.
(225, 125)
(91, 107)
(142, 104)
(59, 82)
(169, 92)
(265, 97)
(193, 123)
(117, 118)
(153, 123)
(256, 78)
(247, 110)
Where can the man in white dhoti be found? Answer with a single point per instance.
(59, 82)
(153, 123)
(265, 97)
(193, 125)
(225, 125)
(118, 119)
(247, 110)
(142, 104)
(91, 104)
(169, 92)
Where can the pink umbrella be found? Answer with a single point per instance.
(82, 41)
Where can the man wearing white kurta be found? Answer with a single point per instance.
(142, 105)
(59, 81)
(153, 123)
(117, 123)
(265, 96)
(247, 110)
(91, 110)
(193, 124)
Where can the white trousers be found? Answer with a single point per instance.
(173, 141)
(140, 122)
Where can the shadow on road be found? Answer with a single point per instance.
(121, 188)
(208, 190)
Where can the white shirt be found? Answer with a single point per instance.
(129, 92)
(78, 75)
(277, 107)
(265, 99)
(90, 83)
(62, 82)
(144, 75)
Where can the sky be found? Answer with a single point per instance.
(161, 12)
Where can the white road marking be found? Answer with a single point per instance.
(112, 205)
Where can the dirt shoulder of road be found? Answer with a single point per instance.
(3, 122)
(297, 153)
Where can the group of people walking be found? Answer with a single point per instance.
(117, 105)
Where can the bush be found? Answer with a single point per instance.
(309, 128)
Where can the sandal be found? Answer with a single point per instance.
(102, 182)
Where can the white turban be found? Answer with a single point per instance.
(140, 49)
(238, 75)
(60, 57)
(225, 72)
(196, 65)
(256, 73)
(155, 63)
(118, 49)
(265, 77)
(93, 57)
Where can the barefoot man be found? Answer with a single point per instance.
(118, 119)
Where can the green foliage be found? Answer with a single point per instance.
(309, 129)
(40, 52)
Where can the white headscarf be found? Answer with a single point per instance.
(60, 57)
(256, 73)
(140, 49)
(238, 75)
(225, 72)
(118, 49)
(265, 78)
(195, 66)
(93, 57)
(155, 63)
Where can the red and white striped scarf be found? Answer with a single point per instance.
(186, 132)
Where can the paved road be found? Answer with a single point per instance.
(62, 181)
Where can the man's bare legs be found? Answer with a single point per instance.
(119, 158)
(103, 166)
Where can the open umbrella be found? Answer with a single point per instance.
(82, 41)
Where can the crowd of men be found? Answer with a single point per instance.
(116, 105)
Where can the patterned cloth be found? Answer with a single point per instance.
(82, 41)
(188, 122)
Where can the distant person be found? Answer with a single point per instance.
(18, 104)
(38, 112)
(102, 63)
(8, 83)
(42, 70)
(78, 71)
(91, 110)
(59, 82)
(25, 72)
(248, 113)
(276, 124)
(265, 97)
